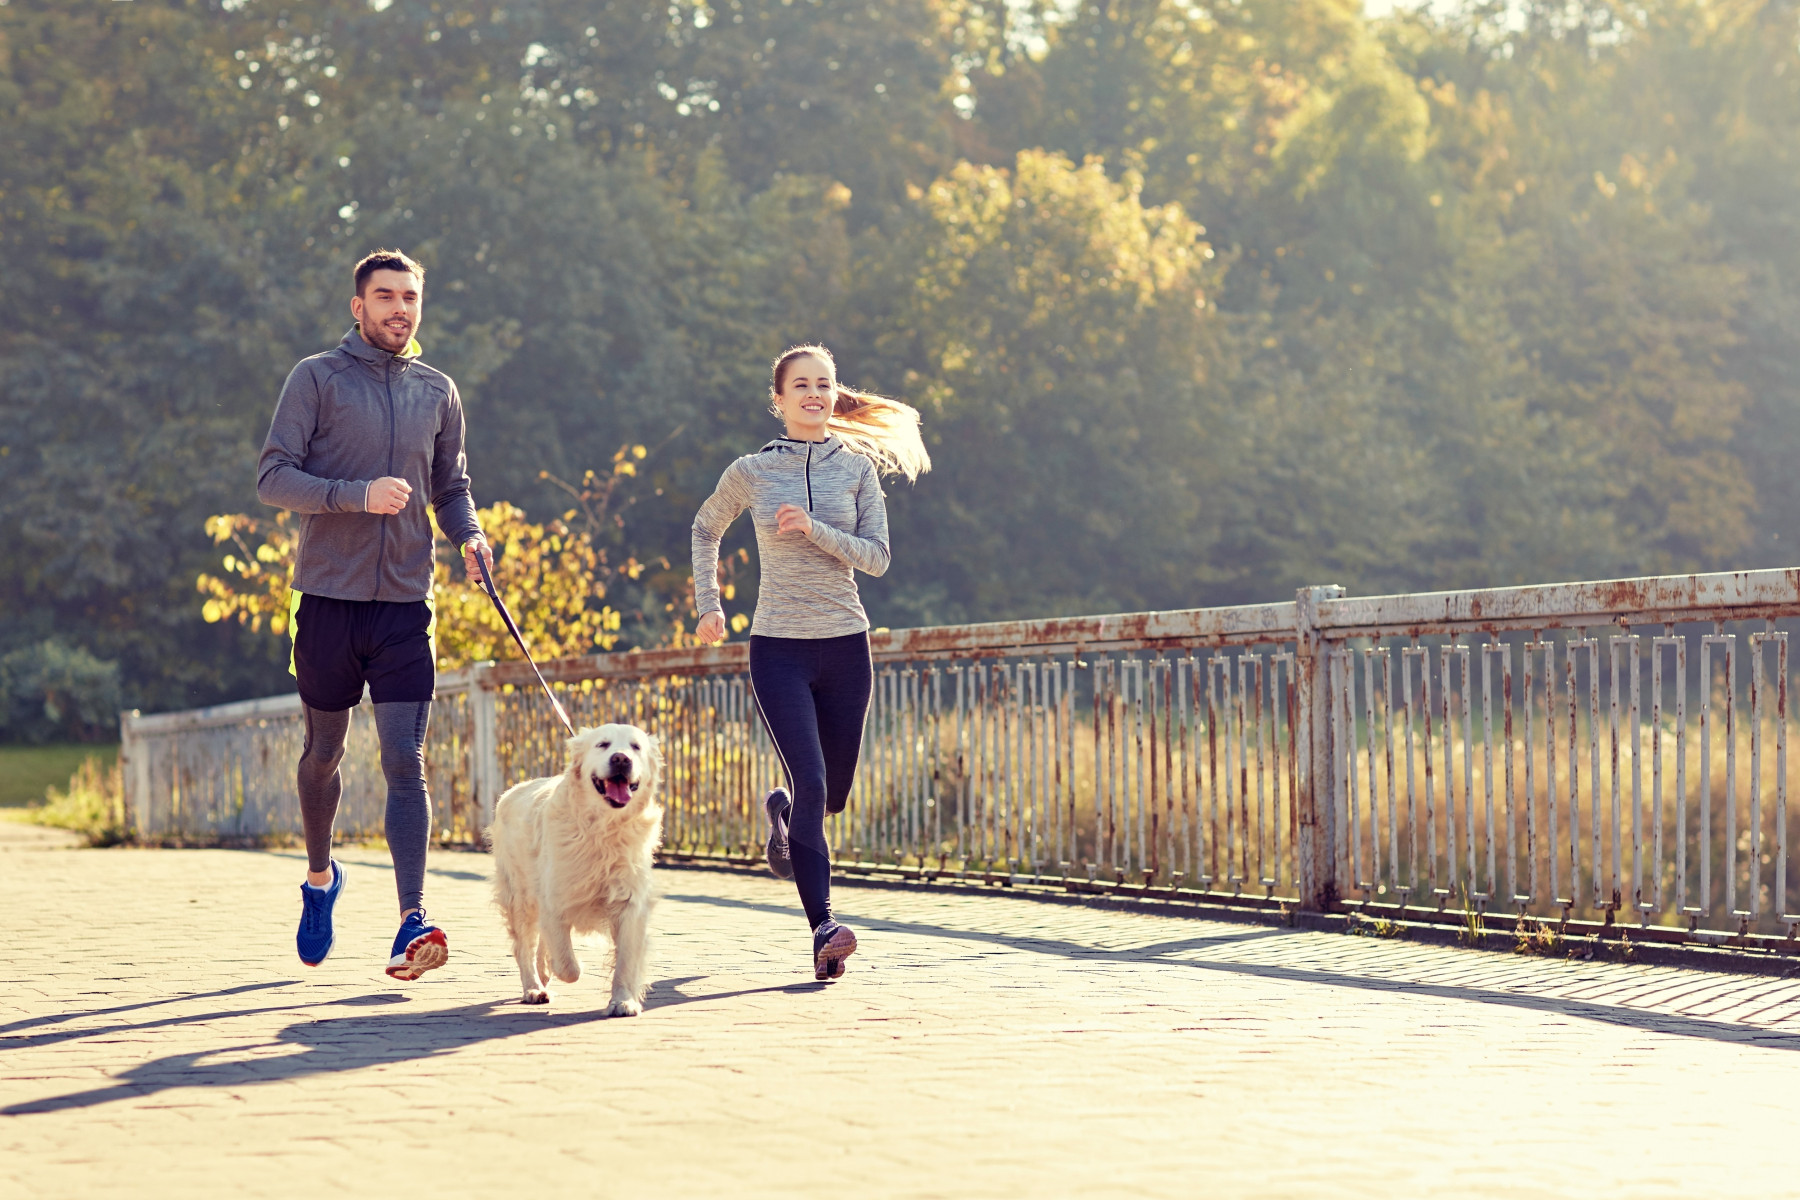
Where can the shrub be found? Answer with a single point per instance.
(93, 805)
(55, 692)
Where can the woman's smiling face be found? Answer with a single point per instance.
(806, 396)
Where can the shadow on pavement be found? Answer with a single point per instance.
(347, 1043)
(31, 1041)
(1157, 954)
(1042, 945)
(441, 872)
(1611, 1014)
(57, 1018)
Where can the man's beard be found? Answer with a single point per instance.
(382, 338)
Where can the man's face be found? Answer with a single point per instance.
(388, 309)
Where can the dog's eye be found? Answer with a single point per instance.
(604, 745)
(635, 746)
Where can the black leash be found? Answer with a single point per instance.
(512, 627)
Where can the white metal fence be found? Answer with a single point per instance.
(1601, 752)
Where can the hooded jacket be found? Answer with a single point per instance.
(806, 588)
(346, 418)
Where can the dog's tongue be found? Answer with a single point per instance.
(618, 791)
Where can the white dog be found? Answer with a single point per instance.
(572, 855)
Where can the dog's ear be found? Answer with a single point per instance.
(577, 746)
(653, 752)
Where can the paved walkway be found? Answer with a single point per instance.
(157, 1037)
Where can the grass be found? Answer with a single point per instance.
(1539, 938)
(1474, 923)
(27, 773)
(92, 804)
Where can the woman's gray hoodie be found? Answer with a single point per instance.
(806, 588)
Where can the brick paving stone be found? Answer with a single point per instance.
(158, 1037)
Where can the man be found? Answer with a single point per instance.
(358, 431)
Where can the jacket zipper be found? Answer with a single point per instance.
(809, 477)
(387, 376)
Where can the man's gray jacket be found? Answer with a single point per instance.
(346, 418)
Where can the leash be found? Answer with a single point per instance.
(512, 627)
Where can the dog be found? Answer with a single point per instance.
(572, 855)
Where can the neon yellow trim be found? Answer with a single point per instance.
(293, 628)
(431, 625)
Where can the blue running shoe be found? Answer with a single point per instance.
(419, 947)
(316, 936)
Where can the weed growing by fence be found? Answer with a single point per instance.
(92, 805)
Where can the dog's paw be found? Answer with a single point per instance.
(624, 1008)
(536, 996)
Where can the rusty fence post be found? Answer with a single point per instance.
(484, 750)
(1315, 847)
(134, 772)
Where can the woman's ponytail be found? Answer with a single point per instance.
(884, 430)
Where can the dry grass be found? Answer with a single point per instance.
(93, 803)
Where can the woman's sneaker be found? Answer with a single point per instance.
(316, 936)
(832, 944)
(778, 806)
(418, 947)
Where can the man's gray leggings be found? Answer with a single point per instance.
(401, 728)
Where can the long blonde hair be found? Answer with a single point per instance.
(883, 430)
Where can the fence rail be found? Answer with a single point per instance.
(1595, 752)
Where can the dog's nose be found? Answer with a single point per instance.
(620, 762)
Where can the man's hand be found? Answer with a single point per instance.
(711, 629)
(791, 518)
(476, 551)
(387, 496)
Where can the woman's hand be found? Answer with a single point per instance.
(791, 518)
(711, 629)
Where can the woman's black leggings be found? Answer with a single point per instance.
(813, 694)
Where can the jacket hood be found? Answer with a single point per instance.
(354, 343)
(788, 445)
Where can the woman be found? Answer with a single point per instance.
(815, 498)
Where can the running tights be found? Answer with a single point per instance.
(401, 728)
(813, 694)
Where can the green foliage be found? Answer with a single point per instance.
(1201, 303)
(93, 803)
(28, 772)
(53, 692)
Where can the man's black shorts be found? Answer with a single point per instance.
(341, 644)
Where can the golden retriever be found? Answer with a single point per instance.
(572, 855)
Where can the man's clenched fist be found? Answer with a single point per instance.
(387, 496)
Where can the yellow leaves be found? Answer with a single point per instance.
(1632, 172)
(254, 587)
(739, 622)
(622, 460)
(552, 576)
